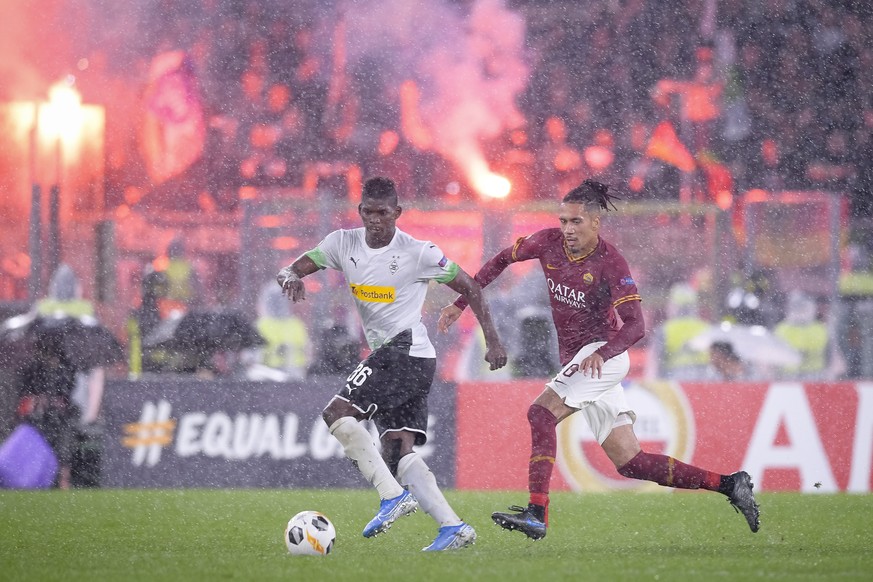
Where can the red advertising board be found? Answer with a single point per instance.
(788, 436)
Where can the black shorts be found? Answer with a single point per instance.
(391, 387)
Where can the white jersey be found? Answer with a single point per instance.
(388, 284)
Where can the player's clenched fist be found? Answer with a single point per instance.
(496, 356)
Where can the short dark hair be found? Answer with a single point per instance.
(380, 188)
(594, 195)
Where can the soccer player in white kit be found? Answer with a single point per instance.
(388, 273)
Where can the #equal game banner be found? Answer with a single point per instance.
(789, 436)
(185, 432)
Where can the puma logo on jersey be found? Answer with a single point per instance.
(373, 294)
(354, 260)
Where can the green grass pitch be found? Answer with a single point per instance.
(152, 535)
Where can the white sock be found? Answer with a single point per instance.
(413, 472)
(360, 448)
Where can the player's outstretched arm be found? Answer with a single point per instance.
(489, 271)
(290, 278)
(464, 284)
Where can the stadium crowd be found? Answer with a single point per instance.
(647, 96)
(778, 94)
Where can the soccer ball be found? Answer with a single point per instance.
(310, 533)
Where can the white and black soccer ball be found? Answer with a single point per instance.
(310, 533)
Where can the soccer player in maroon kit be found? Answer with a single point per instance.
(589, 283)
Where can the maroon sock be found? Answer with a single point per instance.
(669, 472)
(544, 446)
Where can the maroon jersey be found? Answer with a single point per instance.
(584, 292)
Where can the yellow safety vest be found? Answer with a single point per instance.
(70, 308)
(811, 340)
(857, 284)
(179, 280)
(134, 348)
(677, 333)
(287, 343)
